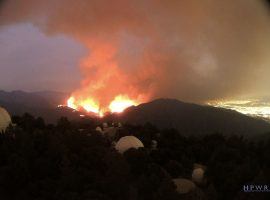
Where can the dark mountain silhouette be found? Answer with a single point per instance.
(192, 118)
(164, 113)
(24, 99)
(53, 97)
(40, 104)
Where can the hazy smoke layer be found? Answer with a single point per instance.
(193, 50)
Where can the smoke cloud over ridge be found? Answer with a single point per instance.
(194, 50)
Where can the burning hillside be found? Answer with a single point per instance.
(141, 50)
(117, 105)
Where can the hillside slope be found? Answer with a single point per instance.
(40, 104)
(192, 119)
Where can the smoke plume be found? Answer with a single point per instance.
(194, 50)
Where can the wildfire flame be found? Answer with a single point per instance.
(107, 87)
(90, 105)
(71, 103)
(118, 105)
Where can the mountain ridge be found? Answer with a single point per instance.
(190, 118)
(164, 113)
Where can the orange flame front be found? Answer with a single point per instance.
(71, 103)
(107, 86)
(118, 105)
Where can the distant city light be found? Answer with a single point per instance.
(255, 108)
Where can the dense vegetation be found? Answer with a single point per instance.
(71, 161)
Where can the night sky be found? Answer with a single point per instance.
(190, 50)
(32, 61)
